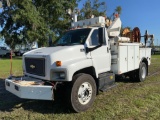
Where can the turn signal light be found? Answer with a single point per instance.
(58, 63)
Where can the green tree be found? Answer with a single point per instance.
(92, 7)
(34, 20)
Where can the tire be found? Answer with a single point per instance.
(82, 93)
(142, 72)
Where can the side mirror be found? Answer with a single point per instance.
(101, 35)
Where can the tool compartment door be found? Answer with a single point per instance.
(122, 62)
(136, 57)
(131, 58)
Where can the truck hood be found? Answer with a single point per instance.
(68, 55)
(51, 50)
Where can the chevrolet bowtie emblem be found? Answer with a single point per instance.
(32, 66)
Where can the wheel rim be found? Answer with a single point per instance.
(85, 93)
(143, 72)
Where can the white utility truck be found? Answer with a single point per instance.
(85, 60)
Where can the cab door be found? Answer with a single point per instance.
(101, 56)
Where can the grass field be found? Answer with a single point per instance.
(127, 101)
(5, 67)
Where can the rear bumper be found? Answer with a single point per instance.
(29, 88)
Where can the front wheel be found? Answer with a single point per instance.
(83, 92)
(142, 72)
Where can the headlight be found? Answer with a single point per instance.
(56, 75)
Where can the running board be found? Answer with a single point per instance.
(106, 81)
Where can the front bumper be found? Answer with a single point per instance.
(29, 88)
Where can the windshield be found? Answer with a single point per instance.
(74, 37)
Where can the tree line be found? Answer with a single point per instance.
(25, 21)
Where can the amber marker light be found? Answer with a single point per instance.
(111, 77)
(58, 63)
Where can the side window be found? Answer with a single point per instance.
(94, 38)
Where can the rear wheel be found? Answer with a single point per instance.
(83, 92)
(142, 72)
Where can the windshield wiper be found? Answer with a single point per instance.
(67, 44)
(61, 44)
(76, 44)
